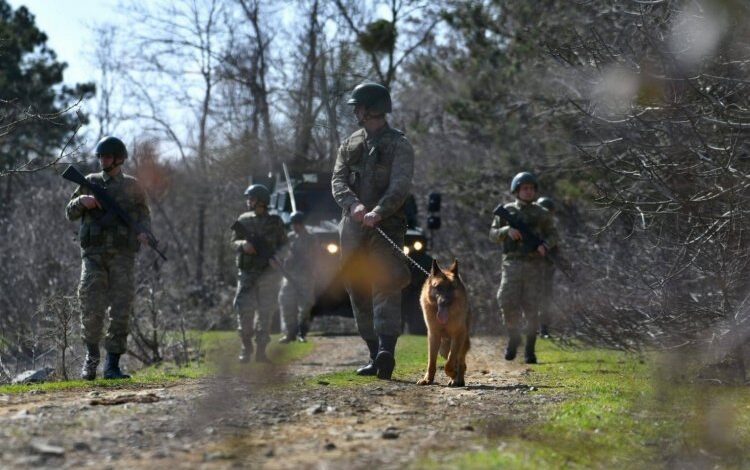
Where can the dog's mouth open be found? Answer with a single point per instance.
(442, 312)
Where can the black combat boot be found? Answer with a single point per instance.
(287, 338)
(529, 354)
(302, 335)
(246, 351)
(91, 362)
(514, 339)
(370, 368)
(112, 367)
(260, 354)
(385, 361)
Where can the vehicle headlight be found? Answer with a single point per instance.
(406, 250)
(332, 248)
(418, 245)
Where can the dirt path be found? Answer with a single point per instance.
(271, 419)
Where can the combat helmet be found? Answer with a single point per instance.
(547, 203)
(259, 192)
(373, 96)
(523, 178)
(297, 217)
(111, 146)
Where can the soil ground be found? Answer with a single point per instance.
(275, 417)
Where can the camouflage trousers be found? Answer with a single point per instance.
(520, 292)
(107, 285)
(296, 300)
(375, 275)
(255, 304)
(547, 291)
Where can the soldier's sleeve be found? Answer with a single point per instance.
(342, 193)
(549, 230)
(281, 237)
(499, 230)
(74, 210)
(402, 172)
(142, 211)
(236, 243)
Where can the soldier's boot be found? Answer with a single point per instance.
(544, 331)
(246, 352)
(112, 367)
(302, 335)
(385, 361)
(88, 372)
(287, 338)
(514, 340)
(529, 354)
(260, 354)
(370, 368)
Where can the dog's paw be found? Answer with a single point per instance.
(424, 381)
(456, 383)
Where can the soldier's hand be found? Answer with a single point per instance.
(89, 202)
(372, 219)
(514, 234)
(248, 248)
(358, 212)
(143, 238)
(542, 249)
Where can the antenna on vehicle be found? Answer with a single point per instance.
(289, 187)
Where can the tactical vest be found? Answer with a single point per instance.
(531, 216)
(100, 229)
(264, 228)
(370, 167)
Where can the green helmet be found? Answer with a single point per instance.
(547, 203)
(297, 217)
(259, 192)
(523, 178)
(111, 146)
(373, 96)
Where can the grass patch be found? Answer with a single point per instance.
(410, 359)
(619, 412)
(220, 349)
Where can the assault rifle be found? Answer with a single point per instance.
(530, 239)
(111, 209)
(263, 251)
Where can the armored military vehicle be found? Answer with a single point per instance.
(311, 193)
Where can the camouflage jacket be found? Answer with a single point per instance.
(375, 171)
(537, 218)
(299, 253)
(100, 234)
(268, 228)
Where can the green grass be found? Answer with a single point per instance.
(618, 412)
(410, 360)
(220, 349)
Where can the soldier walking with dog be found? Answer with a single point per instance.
(297, 295)
(371, 180)
(256, 237)
(108, 249)
(522, 267)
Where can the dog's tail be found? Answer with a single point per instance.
(445, 347)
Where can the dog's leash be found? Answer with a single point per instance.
(401, 250)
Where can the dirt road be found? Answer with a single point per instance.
(273, 418)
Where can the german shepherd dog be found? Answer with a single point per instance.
(446, 314)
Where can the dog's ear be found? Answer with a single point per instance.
(435, 271)
(454, 267)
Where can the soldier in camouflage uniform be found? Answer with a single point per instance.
(108, 249)
(371, 180)
(521, 285)
(258, 276)
(297, 296)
